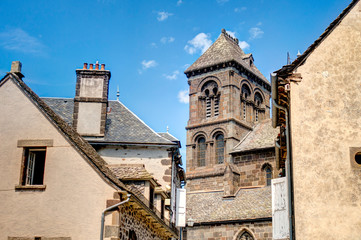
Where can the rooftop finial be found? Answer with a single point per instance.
(118, 93)
(298, 53)
(223, 30)
(167, 129)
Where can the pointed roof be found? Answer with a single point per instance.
(225, 49)
(285, 70)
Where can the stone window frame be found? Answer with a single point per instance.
(198, 151)
(265, 167)
(209, 98)
(242, 231)
(30, 150)
(216, 147)
(245, 99)
(353, 152)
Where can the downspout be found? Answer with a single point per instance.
(173, 192)
(288, 165)
(107, 210)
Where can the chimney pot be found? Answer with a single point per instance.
(85, 66)
(16, 67)
(102, 67)
(91, 66)
(97, 66)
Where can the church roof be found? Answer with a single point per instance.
(261, 137)
(122, 125)
(252, 203)
(225, 49)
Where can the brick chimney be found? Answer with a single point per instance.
(16, 68)
(91, 100)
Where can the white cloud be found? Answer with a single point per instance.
(179, 2)
(243, 45)
(167, 39)
(153, 45)
(18, 40)
(199, 42)
(259, 23)
(240, 9)
(255, 33)
(163, 16)
(233, 34)
(148, 64)
(183, 96)
(186, 65)
(172, 76)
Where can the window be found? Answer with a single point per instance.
(162, 209)
(245, 236)
(245, 93)
(33, 166)
(268, 175)
(151, 197)
(210, 99)
(219, 148)
(256, 115)
(201, 152)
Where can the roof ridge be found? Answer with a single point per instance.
(142, 121)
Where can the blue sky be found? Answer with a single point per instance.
(147, 45)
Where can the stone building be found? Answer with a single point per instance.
(230, 146)
(65, 161)
(319, 95)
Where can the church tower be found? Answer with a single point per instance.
(228, 96)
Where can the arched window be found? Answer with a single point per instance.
(220, 149)
(245, 236)
(268, 171)
(245, 93)
(210, 96)
(201, 151)
(258, 100)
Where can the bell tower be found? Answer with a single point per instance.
(228, 95)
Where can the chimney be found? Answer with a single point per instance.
(91, 100)
(16, 68)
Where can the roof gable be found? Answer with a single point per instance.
(287, 69)
(81, 145)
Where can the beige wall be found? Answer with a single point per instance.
(156, 160)
(325, 124)
(75, 194)
(89, 118)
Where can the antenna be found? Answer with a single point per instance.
(288, 58)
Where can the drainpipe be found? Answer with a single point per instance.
(288, 165)
(107, 210)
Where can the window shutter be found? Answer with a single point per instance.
(280, 221)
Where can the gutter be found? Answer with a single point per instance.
(288, 165)
(107, 210)
(233, 221)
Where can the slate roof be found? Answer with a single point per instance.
(122, 125)
(224, 49)
(130, 171)
(285, 70)
(261, 137)
(169, 136)
(212, 207)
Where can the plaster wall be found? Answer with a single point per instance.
(89, 118)
(156, 160)
(91, 87)
(75, 194)
(325, 124)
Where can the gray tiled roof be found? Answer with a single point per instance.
(223, 50)
(122, 125)
(169, 136)
(247, 204)
(130, 171)
(262, 136)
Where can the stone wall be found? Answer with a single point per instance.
(258, 230)
(205, 183)
(132, 220)
(251, 166)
